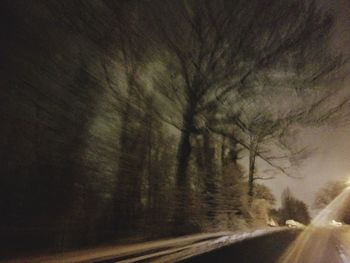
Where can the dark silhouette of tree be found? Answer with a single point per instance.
(293, 208)
(328, 193)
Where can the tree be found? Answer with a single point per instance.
(87, 153)
(265, 128)
(214, 50)
(134, 106)
(328, 193)
(230, 210)
(293, 208)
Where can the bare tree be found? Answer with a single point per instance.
(328, 193)
(215, 49)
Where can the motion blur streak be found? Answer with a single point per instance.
(322, 241)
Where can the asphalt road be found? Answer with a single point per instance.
(313, 245)
(169, 250)
(264, 249)
(320, 245)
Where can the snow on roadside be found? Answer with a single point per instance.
(213, 244)
(245, 235)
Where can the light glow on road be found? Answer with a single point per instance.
(326, 240)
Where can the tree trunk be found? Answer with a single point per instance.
(209, 177)
(182, 187)
(127, 199)
(183, 158)
(252, 156)
(181, 218)
(122, 211)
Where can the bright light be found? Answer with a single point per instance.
(336, 223)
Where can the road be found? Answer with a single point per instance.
(170, 250)
(264, 249)
(313, 245)
(324, 244)
(320, 245)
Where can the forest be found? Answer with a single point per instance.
(127, 120)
